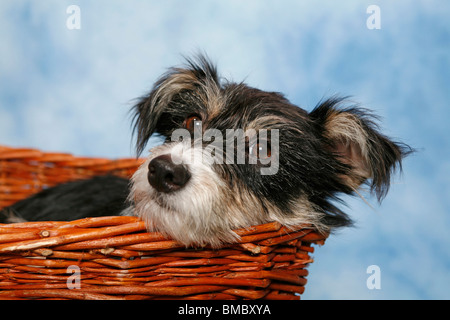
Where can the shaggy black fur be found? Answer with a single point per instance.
(99, 196)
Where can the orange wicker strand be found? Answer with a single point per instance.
(117, 259)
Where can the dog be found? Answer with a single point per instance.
(233, 156)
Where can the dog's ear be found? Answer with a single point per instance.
(164, 98)
(352, 135)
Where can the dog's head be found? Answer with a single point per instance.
(237, 156)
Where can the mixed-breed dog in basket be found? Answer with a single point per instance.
(234, 156)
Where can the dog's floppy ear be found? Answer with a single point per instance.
(352, 135)
(150, 108)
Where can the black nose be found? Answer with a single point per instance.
(165, 176)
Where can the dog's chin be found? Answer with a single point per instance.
(189, 226)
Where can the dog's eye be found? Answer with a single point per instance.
(261, 150)
(193, 122)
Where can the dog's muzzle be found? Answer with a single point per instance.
(166, 176)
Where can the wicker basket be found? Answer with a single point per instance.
(115, 258)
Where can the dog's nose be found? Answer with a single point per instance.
(165, 176)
